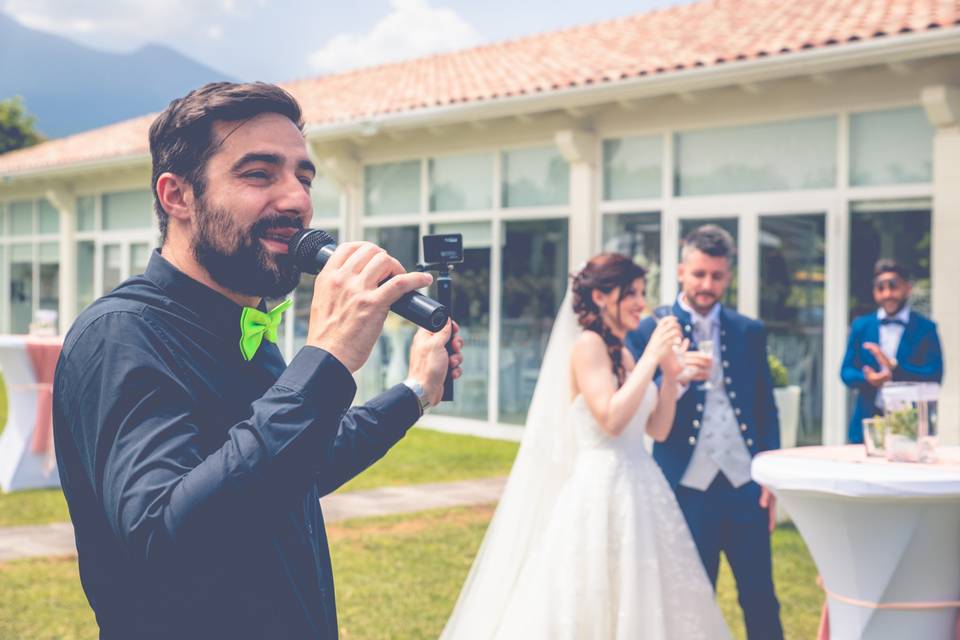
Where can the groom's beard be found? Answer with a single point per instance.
(702, 302)
(237, 260)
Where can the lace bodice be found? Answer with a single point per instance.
(589, 435)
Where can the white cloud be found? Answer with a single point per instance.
(412, 29)
(118, 24)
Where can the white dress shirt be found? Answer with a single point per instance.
(890, 336)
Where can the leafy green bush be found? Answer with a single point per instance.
(777, 371)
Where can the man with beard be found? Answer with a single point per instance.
(892, 344)
(723, 419)
(191, 456)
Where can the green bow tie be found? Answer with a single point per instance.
(255, 325)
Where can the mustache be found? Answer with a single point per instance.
(279, 221)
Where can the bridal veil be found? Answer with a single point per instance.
(543, 463)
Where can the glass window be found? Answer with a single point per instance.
(729, 225)
(21, 218)
(632, 168)
(325, 197)
(792, 273)
(86, 257)
(49, 280)
(535, 178)
(112, 268)
(461, 183)
(891, 147)
(139, 256)
(86, 213)
(21, 287)
(776, 156)
(49, 218)
(388, 363)
(637, 235)
(899, 230)
(127, 210)
(391, 188)
(534, 269)
(471, 309)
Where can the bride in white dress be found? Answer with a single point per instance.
(588, 542)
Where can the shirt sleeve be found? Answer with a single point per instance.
(365, 435)
(140, 439)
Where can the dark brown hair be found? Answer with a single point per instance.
(181, 138)
(710, 239)
(604, 272)
(888, 265)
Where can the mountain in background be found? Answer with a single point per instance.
(71, 88)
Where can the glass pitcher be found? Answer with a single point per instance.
(910, 421)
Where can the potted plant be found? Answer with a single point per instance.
(787, 398)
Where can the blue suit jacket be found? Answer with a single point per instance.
(743, 350)
(918, 360)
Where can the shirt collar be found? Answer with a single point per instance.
(210, 308)
(903, 315)
(713, 316)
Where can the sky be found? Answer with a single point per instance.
(278, 40)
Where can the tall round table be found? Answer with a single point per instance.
(885, 537)
(26, 445)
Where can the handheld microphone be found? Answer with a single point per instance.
(311, 248)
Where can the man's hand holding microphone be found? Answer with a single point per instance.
(350, 305)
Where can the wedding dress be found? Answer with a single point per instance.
(588, 542)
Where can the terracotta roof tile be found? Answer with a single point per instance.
(708, 33)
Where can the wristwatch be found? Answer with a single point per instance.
(417, 389)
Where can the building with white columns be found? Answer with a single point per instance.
(822, 134)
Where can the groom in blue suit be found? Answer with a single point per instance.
(724, 417)
(895, 343)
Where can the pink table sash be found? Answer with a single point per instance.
(43, 354)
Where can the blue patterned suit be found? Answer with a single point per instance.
(725, 517)
(919, 359)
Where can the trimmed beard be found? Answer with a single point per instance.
(238, 261)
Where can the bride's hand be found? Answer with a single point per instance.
(673, 365)
(666, 337)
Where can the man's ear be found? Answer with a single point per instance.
(680, 270)
(175, 195)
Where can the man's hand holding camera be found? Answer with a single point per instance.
(429, 360)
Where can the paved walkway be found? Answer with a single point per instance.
(57, 539)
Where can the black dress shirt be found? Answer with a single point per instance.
(193, 477)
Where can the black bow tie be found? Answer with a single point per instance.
(893, 321)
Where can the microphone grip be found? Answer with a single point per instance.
(421, 310)
(414, 306)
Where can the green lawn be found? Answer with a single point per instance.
(422, 456)
(430, 456)
(397, 578)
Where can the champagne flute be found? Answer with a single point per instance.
(706, 348)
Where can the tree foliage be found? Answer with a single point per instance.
(17, 126)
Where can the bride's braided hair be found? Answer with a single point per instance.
(605, 272)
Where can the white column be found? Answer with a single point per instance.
(66, 203)
(579, 148)
(942, 104)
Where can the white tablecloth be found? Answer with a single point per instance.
(879, 532)
(20, 466)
